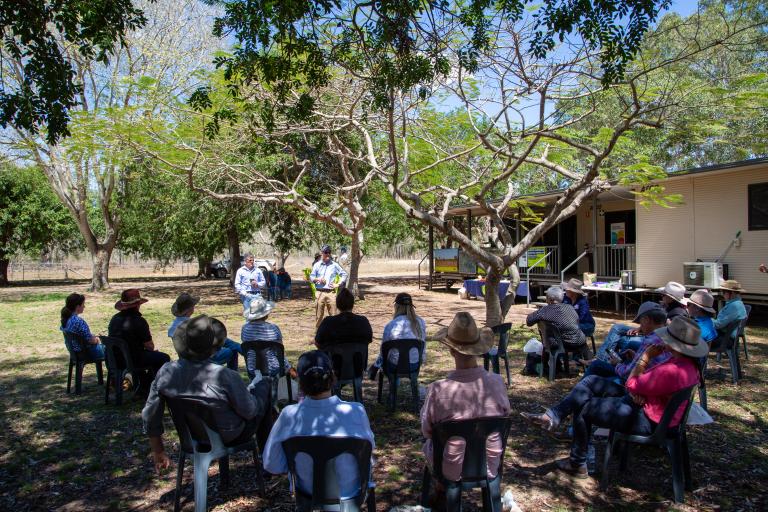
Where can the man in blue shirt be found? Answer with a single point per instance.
(734, 308)
(182, 310)
(248, 281)
(700, 309)
(327, 276)
(576, 297)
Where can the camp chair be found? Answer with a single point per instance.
(325, 487)
(742, 335)
(474, 470)
(349, 363)
(119, 366)
(671, 438)
(555, 348)
(403, 369)
(502, 331)
(727, 342)
(199, 439)
(256, 358)
(79, 356)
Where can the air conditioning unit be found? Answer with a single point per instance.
(702, 274)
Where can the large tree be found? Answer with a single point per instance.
(38, 36)
(93, 164)
(31, 217)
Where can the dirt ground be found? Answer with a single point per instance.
(69, 452)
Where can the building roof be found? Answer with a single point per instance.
(622, 190)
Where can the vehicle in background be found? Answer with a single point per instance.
(220, 269)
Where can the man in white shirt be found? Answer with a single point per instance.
(320, 414)
(327, 276)
(249, 281)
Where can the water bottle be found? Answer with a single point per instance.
(591, 459)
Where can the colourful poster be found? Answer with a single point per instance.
(618, 233)
(535, 257)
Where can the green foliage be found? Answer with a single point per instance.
(37, 32)
(31, 216)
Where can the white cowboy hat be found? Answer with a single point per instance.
(673, 290)
(465, 337)
(259, 308)
(702, 299)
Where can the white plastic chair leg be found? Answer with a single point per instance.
(202, 463)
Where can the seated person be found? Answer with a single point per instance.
(734, 308)
(270, 279)
(249, 281)
(673, 299)
(622, 337)
(130, 326)
(345, 327)
(182, 310)
(562, 316)
(651, 316)
(467, 392)
(576, 297)
(237, 409)
(320, 414)
(700, 309)
(257, 328)
(73, 323)
(405, 325)
(283, 283)
(601, 403)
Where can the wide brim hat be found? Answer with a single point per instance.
(465, 337)
(198, 338)
(701, 299)
(259, 308)
(130, 298)
(731, 285)
(183, 303)
(684, 335)
(573, 285)
(673, 290)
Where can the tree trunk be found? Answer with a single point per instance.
(100, 264)
(355, 257)
(233, 241)
(280, 258)
(493, 315)
(202, 265)
(509, 300)
(4, 271)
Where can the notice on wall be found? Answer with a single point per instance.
(533, 257)
(618, 233)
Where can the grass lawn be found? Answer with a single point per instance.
(69, 452)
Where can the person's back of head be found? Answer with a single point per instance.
(404, 306)
(71, 303)
(345, 300)
(555, 295)
(315, 371)
(199, 338)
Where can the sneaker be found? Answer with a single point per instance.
(542, 420)
(127, 382)
(578, 471)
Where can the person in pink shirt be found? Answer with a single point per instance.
(649, 388)
(467, 392)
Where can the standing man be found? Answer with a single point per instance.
(249, 281)
(327, 275)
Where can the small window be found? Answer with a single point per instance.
(758, 206)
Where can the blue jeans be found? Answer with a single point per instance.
(618, 413)
(227, 354)
(246, 299)
(588, 388)
(285, 291)
(587, 329)
(618, 340)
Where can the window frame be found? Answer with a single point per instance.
(750, 188)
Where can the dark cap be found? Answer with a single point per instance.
(314, 367)
(648, 307)
(199, 337)
(404, 299)
(326, 249)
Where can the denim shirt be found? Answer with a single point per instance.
(733, 310)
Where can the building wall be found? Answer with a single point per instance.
(715, 209)
(584, 224)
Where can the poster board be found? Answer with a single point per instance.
(618, 233)
(447, 260)
(533, 254)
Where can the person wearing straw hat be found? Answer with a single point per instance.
(256, 328)
(648, 390)
(467, 392)
(128, 325)
(237, 410)
(734, 308)
(183, 309)
(576, 297)
(700, 309)
(673, 299)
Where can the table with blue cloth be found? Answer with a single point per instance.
(475, 287)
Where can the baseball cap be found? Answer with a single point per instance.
(647, 307)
